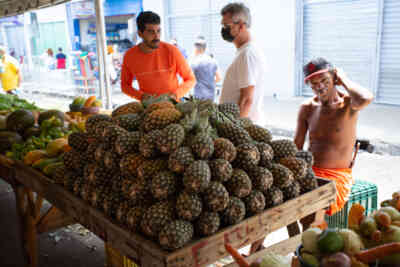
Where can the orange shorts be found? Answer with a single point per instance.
(344, 181)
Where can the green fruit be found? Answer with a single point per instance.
(368, 226)
(330, 241)
(79, 100)
(20, 120)
(310, 259)
(51, 113)
(7, 139)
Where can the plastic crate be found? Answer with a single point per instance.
(362, 192)
(116, 259)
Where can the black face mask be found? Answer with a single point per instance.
(226, 34)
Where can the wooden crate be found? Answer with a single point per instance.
(198, 252)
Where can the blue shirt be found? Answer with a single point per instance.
(204, 68)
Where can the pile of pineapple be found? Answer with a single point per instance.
(178, 171)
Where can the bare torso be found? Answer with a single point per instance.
(332, 132)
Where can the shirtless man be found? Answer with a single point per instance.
(330, 118)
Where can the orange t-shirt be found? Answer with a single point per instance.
(156, 72)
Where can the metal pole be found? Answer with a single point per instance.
(105, 84)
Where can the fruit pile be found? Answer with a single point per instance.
(178, 171)
(89, 105)
(368, 239)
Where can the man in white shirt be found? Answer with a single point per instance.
(244, 79)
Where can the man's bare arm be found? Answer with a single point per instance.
(360, 96)
(246, 100)
(302, 126)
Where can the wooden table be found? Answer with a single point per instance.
(67, 209)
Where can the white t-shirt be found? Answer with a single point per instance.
(247, 69)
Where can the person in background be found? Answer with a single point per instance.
(154, 64)
(174, 42)
(48, 59)
(244, 79)
(61, 59)
(110, 64)
(10, 74)
(205, 69)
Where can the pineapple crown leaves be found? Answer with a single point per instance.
(147, 100)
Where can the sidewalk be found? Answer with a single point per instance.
(378, 123)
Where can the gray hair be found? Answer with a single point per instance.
(239, 12)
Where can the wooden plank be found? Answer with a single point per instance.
(209, 250)
(283, 248)
(197, 253)
(137, 246)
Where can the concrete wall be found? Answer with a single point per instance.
(157, 6)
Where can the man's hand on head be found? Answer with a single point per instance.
(341, 76)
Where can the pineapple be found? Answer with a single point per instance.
(88, 155)
(273, 197)
(202, 146)
(235, 212)
(98, 174)
(97, 195)
(309, 182)
(208, 223)
(216, 197)
(127, 143)
(129, 164)
(188, 206)
(259, 133)
(121, 214)
(59, 174)
(111, 160)
(100, 152)
(283, 177)
(77, 185)
(99, 130)
(73, 161)
(111, 133)
(156, 217)
(221, 170)
(163, 185)
(175, 234)
(180, 159)
(78, 141)
(240, 184)
(224, 149)
(291, 191)
(247, 156)
(134, 217)
(261, 178)
(307, 156)
(93, 120)
(236, 134)
(85, 190)
(283, 148)
(88, 170)
(296, 165)
(266, 154)
(160, 118)
(244, 122)
(134, 190)
(171, 138)
(255, 202)
(130, 108)
(197, 177)
(150, 167)
(148, 144)
(129, 122)
(159, 105)
(111, 202)
(230, 109)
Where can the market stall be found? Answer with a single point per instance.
(103, 190)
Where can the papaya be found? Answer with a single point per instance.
(19, 120)
(50, 169)
(42, 163)
(56, 147)
(34, 155)
(51, 113)
(89, 101)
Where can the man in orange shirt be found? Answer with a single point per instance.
(154, 64)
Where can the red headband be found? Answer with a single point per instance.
(315, 74)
